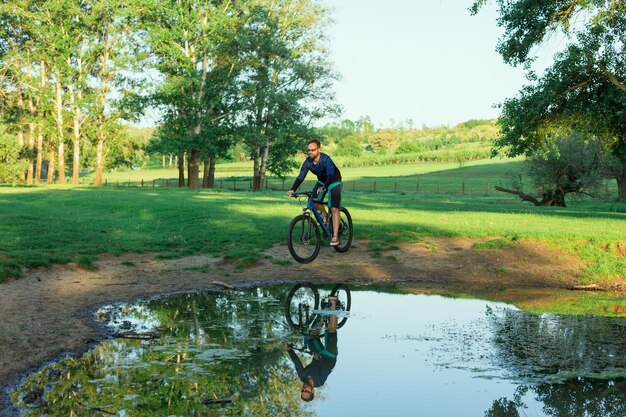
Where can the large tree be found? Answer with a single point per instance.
(194, 47)
(585, 88)
(287, 81)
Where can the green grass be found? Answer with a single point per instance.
(46, 225)
(473, 178)
(495, 244)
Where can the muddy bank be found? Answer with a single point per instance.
(48, 313)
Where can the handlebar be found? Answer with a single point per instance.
(307, 194)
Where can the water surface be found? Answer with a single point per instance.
(400, 354)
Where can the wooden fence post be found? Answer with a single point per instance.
(463, 187)
(142, 183)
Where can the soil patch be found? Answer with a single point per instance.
(49, 312)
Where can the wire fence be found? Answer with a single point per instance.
(245, 184)
(382, 185)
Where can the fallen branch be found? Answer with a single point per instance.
(592, 287)
(135, 335)
(209, 401)
(223, 284)
(546, 201)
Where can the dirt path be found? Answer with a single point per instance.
(48, 313)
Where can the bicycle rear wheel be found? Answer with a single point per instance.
(344, 301)
(345, 230)
(303, 239)
(301, 301)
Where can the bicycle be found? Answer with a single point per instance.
(305, 313)
(303, 236)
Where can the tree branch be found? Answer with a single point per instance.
(526, 197)
(612, 78)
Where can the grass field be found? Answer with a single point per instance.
(472, 178)
(45, 225)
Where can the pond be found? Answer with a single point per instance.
(399, 353)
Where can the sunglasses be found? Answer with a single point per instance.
(311, 149)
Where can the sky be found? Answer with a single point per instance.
(425, 60)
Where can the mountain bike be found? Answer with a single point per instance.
(305, 312)
(304, 237)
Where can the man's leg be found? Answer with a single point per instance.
(332, 327)
(335, 202)
(336, 220)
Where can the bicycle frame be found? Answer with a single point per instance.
(310, 206)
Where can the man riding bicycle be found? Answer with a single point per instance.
(328, 181)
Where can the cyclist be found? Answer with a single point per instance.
(324, 358)
(328, 181)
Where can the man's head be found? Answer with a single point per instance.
(307, 393)
(313, 148)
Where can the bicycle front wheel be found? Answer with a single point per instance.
(345, 230)
(301, 301)
(303, 239)
(344, 301)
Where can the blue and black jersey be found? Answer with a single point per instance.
(325, 169)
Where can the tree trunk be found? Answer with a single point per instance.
(260, 178)
(39, 154)
(76, 162)
(257, 166)
(42, 84)
(31, 144)
(61, 157)
(31, 154)
(20, 127)
(76, 131)
(194, 169)
(621, 185)
(208, 180)
(181, 168)
(59, 119)
(99, 160)
(50, 178)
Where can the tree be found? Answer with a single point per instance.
(287, 81)
(570, 165)
(585, 88)
(195, 48)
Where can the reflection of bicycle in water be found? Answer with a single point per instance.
(305, 313)
(319, 330)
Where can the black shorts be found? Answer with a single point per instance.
(334, 196)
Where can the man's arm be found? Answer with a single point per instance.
(330, 172)
(303, 171)
(296, 361)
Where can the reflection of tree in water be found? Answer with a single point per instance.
(580, 397)
(225, 345)
(576, 364)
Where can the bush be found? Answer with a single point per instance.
(10, 163)
(350, 148)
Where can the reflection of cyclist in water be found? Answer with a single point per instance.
(324, 358)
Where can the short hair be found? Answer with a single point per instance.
(315, 141)
(309, 399)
